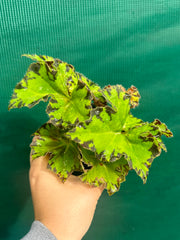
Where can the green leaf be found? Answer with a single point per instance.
(64, 154)
(112, 93)
(91, 130)
(69, 111)
(113, 134)
(160, 128)
(111, 175)
(70, 99)
(157, 130)
(39, 58)
(95, 90)
(132, 94)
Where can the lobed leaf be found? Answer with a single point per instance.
(64, 154)
(115, 134)
(95, 90)
(111, 175)
(39, 58)
(91, 130)
(132, 94)
(71, 110)
(70, 99)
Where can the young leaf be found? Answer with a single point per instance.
(64, 154)
(113, 134)
(134, 96)
(109, 174)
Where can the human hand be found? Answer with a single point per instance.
(66, 209)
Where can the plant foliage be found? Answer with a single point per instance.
(91, 129)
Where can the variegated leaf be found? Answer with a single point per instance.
(111, 175)
(113, 134)
(64, 154)
(70, 99)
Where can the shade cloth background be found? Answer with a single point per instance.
(131, 42)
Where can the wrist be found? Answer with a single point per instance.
(60, 232)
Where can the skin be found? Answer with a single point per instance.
(66, 209)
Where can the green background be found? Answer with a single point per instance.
(131, 42)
